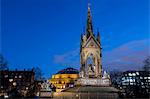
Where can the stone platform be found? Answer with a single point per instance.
(93, 82)
(88, 92)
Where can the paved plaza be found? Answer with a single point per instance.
(88, 92)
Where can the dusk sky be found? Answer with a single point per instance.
(46, 33)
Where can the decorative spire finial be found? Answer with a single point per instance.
(88, 6)
(89, 22)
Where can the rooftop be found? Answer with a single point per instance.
(68, 71)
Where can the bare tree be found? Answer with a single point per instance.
(3, 63)
(38, 73)
(116, 76)
(146, 62)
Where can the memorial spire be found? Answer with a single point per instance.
(89, 28)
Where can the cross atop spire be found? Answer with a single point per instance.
(89, 28)
(88, 6)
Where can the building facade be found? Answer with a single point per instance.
(64, 78)
(133, 84)
(20, 80)
(136, 78)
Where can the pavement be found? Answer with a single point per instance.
(92, 89)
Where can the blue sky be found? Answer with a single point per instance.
(46, 33)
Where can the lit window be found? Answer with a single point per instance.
(142, 83)
(10, 80)
(137, 73)
(64, 86)
(20, 76)
(14, 83)
(6, 76)
(145, 77)
(124, 83)
(123, 78)
(133, 74)
(127, 80)
(148, 77)
(131, 83)
(131, 80)
(130, 74)
(141, 77)
(15, 76)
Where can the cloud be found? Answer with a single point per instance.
(70, 58)
(127, 56)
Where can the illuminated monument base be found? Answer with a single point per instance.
(104, 81)
(93, 82)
